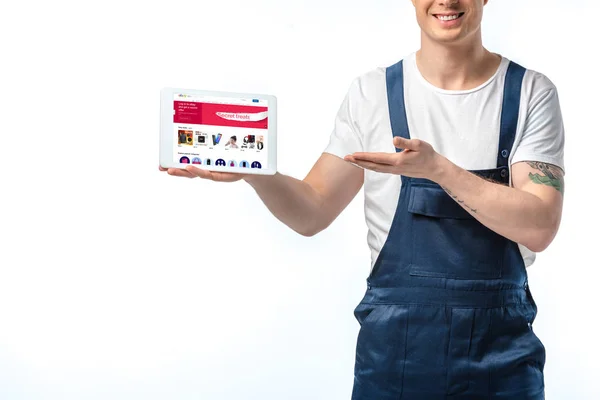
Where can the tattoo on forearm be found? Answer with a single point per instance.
(550, 175)
(461, 202)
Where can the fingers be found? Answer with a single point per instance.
(407, 144)
(226, 177)
(200, 173)
(385, 168)
(194, 172)
(160, 168)
(378, 158)
(179, 172)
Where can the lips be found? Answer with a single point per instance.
(449, 16)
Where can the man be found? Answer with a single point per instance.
(461, 154)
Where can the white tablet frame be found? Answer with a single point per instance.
(167, 138)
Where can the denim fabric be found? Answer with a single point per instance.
(447, 313)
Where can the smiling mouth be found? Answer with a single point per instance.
(448, 17)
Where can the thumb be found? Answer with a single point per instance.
(403, 143)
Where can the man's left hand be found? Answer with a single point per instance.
(417, 160)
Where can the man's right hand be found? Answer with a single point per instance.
(194, 172)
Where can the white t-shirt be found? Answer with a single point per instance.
(462, 125)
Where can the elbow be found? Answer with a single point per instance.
(309, 231)
(537, 246)
(541, 239)
(306, 232)
(306, 229)
(312, 229)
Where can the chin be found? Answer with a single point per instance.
(447, 38)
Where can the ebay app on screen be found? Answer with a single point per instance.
(217, 131)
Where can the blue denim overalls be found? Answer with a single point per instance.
(447, 312)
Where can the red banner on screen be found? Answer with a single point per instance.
(188, 112)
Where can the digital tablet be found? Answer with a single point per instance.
(218, 131)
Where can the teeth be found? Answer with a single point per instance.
(447, 17)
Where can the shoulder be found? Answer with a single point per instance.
(536, 84)
(539, 93)
(371, 86)
(366, 94)
(377, 75)
(542, 134)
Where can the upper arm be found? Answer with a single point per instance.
(337, 182)
(537, 165)
(545, 181)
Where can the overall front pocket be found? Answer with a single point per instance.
(448, 242)
(380, 350)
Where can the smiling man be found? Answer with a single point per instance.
(460, 151)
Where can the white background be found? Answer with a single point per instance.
(121, 282)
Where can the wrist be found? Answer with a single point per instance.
(441, 169)
(253, 179)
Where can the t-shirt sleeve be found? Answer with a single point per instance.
(346, 138)
(543, 136)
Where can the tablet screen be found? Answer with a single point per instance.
(220, 131)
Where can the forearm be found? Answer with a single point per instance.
(292, 201)
(515, 214)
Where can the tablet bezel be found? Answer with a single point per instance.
(167, 138)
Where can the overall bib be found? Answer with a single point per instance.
(447, 312)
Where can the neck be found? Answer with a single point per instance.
(460, 66)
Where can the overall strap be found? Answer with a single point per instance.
(510, 115)
(395, 91)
